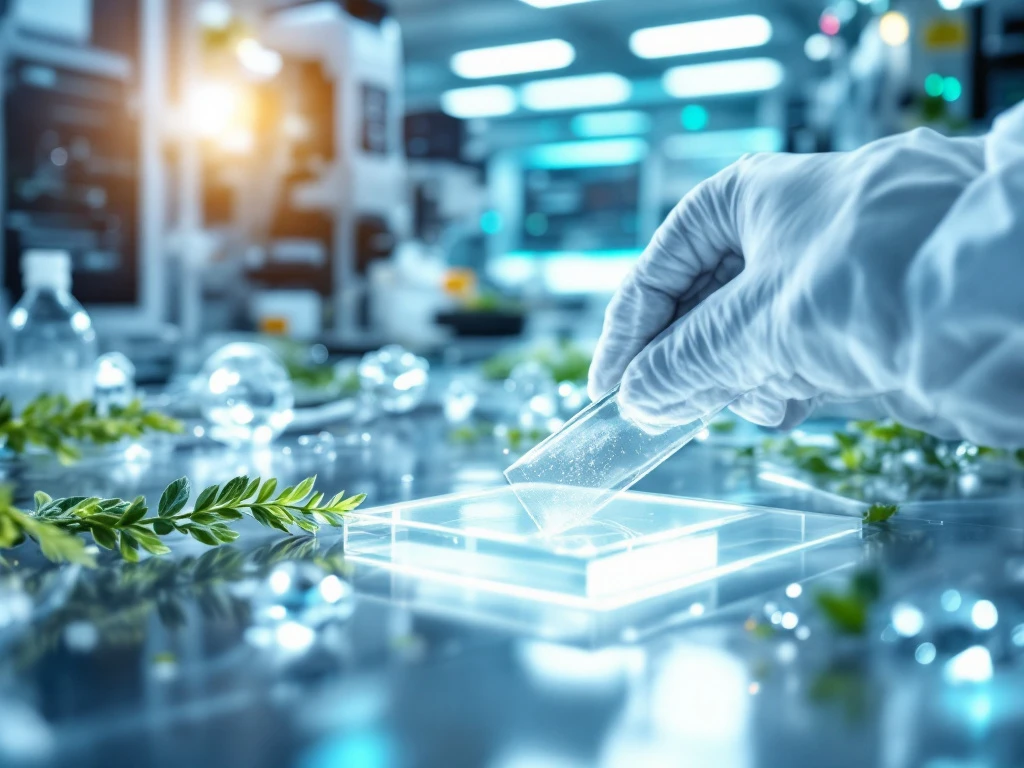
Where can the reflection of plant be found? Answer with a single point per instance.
(847, 611)
(127, 525)
(566, 362)
(56, 424)
(117, 600)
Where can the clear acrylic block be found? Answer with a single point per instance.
(639, 547)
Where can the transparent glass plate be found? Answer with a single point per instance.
(639, 547)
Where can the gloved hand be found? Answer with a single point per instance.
(781, 281)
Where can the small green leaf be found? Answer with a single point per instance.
(174, 497)
(203, 518)
(162, 528)
(202, 535)
(206, 498)
(42, 499)
(250, 489)
(135, 512)
(267, 490)
(128, 547)
(232, 490)
(879, 513)
(104, 537)
(149, 542)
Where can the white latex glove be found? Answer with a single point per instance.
(784, 277)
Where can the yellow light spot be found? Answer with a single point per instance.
(894, 29)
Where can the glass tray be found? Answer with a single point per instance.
(640, 547)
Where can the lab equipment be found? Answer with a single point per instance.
(640, 547)
(51, 344)
(114, 381)
(395, 378)
(770, 302)
(333, 211)
(576, 472)
(82, 118)
(246, 394)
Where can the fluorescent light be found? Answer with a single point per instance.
(621, 123)
(575, 92)
(722, 144)
(723, 77)
(482, 101)
(587, 154)
(553, 3)
(701, 37)
(538, 56)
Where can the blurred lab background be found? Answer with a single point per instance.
(458, 182)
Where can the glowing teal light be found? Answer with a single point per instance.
(618, 123)
(951, 89)
(536, 224)
(586, 154)
(695, 117)
(934, 85)
(490, 222)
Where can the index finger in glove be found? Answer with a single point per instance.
(693, 253)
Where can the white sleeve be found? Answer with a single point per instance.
(964, 349)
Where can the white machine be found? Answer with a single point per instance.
(343, 205)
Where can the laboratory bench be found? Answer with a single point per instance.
(171, 661)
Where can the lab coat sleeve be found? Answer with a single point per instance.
(965, 299)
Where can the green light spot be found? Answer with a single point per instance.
(490, 222)
(695, 117)
(537, 224)
(934, 85)
(951, 89)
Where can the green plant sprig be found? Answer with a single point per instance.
(56, 543)
(56, 424)
(128, 526)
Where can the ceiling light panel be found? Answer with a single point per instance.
(553, 3)
(701, 37)
(560, 93)
(482, 101)
(723, 78)
(503, 60)
(620, 123)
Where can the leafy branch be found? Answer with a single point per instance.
(129, 526)
(56, 424)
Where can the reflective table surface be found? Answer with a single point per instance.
(278, 652)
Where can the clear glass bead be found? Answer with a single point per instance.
(246, 394)
(395, 378)
(460, 400)
(114, 381)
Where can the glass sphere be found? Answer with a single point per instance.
(395, 377)
(460, 400)
(113, 381)
(246, 394)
